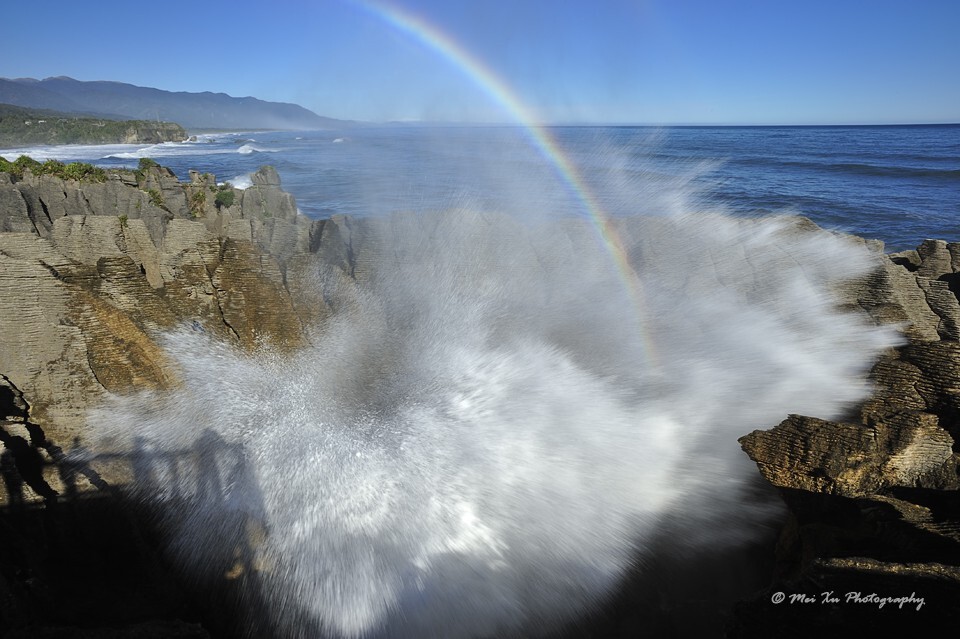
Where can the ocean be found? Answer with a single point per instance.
(899, 184)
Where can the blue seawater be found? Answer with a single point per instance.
(899, 184)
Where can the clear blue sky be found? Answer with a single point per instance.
(623, 61)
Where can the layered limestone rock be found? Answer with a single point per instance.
(91, 275)
(873, 499)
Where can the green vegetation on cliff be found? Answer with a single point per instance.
(225, 195)
(20, 127)
(72, 171)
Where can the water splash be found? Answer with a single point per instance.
(476, 442)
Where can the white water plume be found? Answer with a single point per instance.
(492, 421)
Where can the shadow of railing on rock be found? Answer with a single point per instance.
(179, 541)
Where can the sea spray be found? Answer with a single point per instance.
(494, 417)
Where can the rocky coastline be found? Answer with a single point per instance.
(91, 272)
(873, 505)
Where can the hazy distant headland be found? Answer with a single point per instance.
(119, 101)
(21, 127)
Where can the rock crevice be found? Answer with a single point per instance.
(873, 501)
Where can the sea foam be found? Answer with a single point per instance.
(70, 152)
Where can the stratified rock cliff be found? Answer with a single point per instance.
(91, 274)
(874, 507)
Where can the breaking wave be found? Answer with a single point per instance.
(247, 149)
(242, 181)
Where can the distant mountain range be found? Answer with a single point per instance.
(121, 101)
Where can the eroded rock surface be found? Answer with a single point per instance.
(873, 499)
(92, 274)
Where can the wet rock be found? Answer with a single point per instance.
(874, 502)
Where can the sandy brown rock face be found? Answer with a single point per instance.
(92, 274)
(902, 449)
(873, 500)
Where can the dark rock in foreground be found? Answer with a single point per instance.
(83, 570)
(873, 500)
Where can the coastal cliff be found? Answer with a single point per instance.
(93, 272)
(22, 127)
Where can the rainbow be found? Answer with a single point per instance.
(542, 139)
